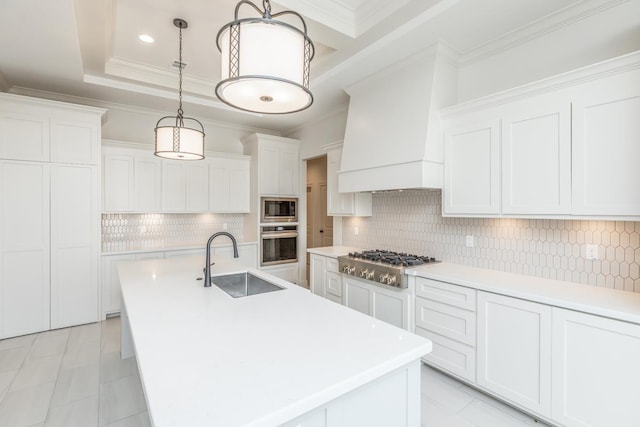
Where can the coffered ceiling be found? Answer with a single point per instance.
(90, 49)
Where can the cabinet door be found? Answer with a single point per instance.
(220, 186)
(75, 141)
(606, 131)
(147, 183)
(289, 170)
(536, 159)
(318, 274)
(118, 179)
(472, 169)
(110, 283)
(74, 245)
(24, 137)
(358, 296)
(391, 306)
(197, 187)
(595, 370)
(333, 284)
(173, 186)
(269, 169)
(514, 350)
(240, 186)
(24, 248)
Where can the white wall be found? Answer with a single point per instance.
(595, 38)
(324, 130)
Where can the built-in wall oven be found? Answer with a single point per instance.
(279, 209)
(279, 244)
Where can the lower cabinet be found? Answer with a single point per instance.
(514, 350)
(387, 304)
(595, 370)
(317, 274)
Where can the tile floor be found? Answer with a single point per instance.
(75, 378)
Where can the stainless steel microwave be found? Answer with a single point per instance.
(276, 209)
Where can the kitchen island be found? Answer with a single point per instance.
(285, 357)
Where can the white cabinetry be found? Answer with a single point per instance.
(24, 248)
(49, 197)
(384, 303)
(75, 238)
(318, 274)
(117, 182)
(278, 163)
(595, 370)
(564, 147)
(472, 169)
(343, 204)
(185, 187)
(606, 131)
(446, 314)
(229, 185)
(147, 179)
(514, 350)
(536, 158)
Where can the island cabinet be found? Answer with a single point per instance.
(514, 350)
(343, 204)
(561, 148)
(595, 370)
(49, 214)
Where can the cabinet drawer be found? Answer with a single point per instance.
(457, 296)
(332, 265)
(334, 284)
(450, 355)
(451, 322)
(334, 298)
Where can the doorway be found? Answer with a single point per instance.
(319, 225)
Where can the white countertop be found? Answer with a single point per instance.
(333, 251)
(206, 358)
(616, 304)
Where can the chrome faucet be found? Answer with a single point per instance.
(207, 267)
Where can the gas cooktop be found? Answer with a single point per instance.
(381, 266)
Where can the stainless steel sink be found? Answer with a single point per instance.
(243, 284)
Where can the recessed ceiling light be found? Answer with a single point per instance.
(146, 38)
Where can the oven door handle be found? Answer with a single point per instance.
(278, 235)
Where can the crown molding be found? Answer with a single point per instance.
(620, 64)
(156, 76)
(370, 13)
(332, 13)
(55, 96)
(539, 28)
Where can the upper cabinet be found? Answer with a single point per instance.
(343, 204)
(278, 164)
(561, 148)
(134, 180)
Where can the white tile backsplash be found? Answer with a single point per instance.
(128, 232)
(411, 221)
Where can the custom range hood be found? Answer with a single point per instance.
(393, 137)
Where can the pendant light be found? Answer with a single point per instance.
(179, 137)
(265, 63)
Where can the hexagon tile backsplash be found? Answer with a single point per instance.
(411, 221)
(131, 232)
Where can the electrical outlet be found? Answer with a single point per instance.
(356, 231)
(591, 252)
(224, 226)
(469, 241)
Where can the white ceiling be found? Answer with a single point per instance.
(90, 49)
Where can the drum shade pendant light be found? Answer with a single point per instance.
(265, 63)
(179, 137)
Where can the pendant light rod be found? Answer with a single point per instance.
(180, 23)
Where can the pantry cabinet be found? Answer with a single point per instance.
(595, 370)
(49, 196)
(343, 204)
